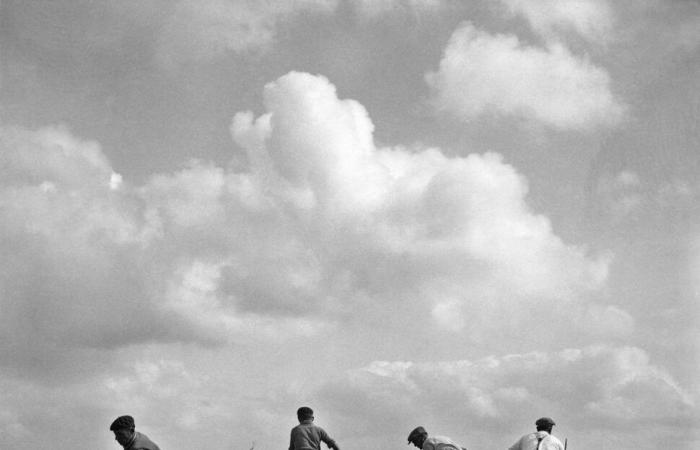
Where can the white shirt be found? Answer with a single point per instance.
(529, 442)
(440, 443)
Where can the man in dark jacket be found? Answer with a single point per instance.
(307, 435)
(125, 433)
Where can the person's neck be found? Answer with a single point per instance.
(131, 441)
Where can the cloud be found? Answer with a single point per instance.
(161, 393)
(321, 226)
(601, 387)
(591, 19)
(75, 277)
(198, 31)
(620, 196)
(201, 31)
(450, 235)
(96, 263)
(626, 199)
(483, 74)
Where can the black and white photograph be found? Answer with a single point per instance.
(350, 224)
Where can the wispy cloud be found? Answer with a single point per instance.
(200, 31)
(592, 19)
(605, 387)
(378, 8)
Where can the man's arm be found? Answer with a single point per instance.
(557, 443)
(327, 439)
(516, 446)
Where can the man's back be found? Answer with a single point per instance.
(141, 442)
(440, 443)
(540, 440)
(308, 436)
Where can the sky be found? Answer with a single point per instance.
(464, 215)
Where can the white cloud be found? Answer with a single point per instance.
(452, 234)
(94, 267)
(52, 155)
(591, 19)
(323, 225)
(482, 74)
(600, 387)
(75, 277)
(161, 393)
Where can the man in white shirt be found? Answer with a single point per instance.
(419, 438)
(125, 433)
(541, 440)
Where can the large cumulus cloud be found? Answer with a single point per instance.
(450, 235)
(322, 225)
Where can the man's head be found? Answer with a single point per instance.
(417, 437)
(305, 413)
(124, 429)
(544, 424)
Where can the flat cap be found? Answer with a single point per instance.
(544, 422)
(122, 422)
(418, 431)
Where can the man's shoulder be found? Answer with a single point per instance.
(527, 436)
(440, 441)
(142, 442)
(523, 440)
(554, 440)
(306, 426)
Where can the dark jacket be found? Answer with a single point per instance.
(307, 436)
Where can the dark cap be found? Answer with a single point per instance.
(305, 412)
(122, 422)
(418, 431)
(544, 422)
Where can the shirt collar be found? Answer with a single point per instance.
(131, 442)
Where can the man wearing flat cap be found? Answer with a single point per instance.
(307, 435)
(419, 437)
(542, 439)
(125, 433)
